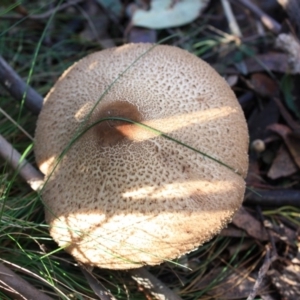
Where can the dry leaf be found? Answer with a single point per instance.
(244, 220)
(292, 142)
(263, 85)
(253, 178)
(283, 165)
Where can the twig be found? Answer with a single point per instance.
(275, 198)
(262, 273)
(271, 256)
(42, 16)
(269, 22)
(155, 286)
(14, 84)
(268, 231)
(32, 176)
(233, 25)
(18, 284)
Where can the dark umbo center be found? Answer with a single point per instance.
(111, 132)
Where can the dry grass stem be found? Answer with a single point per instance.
(233, 25)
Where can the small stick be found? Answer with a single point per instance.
(271, 256)
(269, 22)
(160, 291)
(275, 198)
(262, 273)
(271, 238)
(31, 175)
(18, 284)
(14, 84)
(233, 25)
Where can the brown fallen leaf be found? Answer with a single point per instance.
(244, 220)
(283, 164)
(292, 141)
(254, 178)
(263, 85)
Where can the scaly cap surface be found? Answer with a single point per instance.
(122, 196)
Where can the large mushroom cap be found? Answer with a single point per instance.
(122, 196)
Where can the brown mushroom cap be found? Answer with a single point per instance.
(123, 196)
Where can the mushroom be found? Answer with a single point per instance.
(122, 196)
